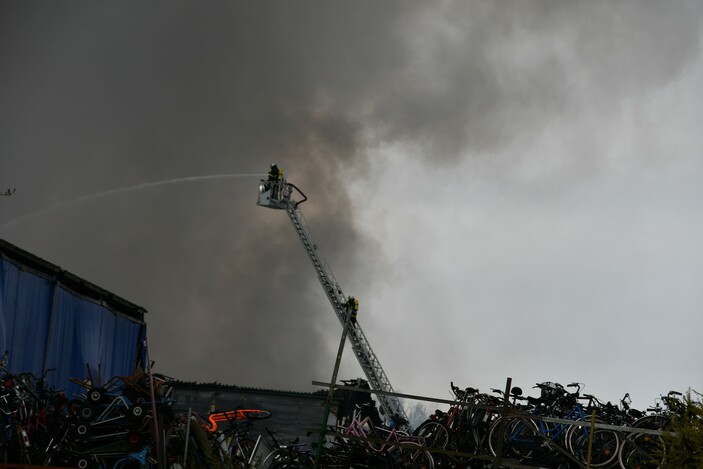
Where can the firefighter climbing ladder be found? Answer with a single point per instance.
(278, 194)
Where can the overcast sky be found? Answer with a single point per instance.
(511, 189)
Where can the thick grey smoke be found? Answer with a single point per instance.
(101, 97)
(98, 97)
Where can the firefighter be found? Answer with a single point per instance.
(275, 174)
(352, 305)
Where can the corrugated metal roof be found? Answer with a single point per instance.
(322, 394)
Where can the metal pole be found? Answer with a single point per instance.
(328, 402)
(157, 441)
(590, 438)
(185, 452)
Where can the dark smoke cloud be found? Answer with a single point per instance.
(99, 96)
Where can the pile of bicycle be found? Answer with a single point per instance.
(109, 425)
(561, 428)
(125, 422)
(130, 422)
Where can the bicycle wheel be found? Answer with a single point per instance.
(412, 456)
(520, 437)
(604, 445)
(244, 449)
(284, 458)
(641, 451)
(436, 434)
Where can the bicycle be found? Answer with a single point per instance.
(294, 455)
(440, 430)
(464, 428)
(532, 438)
(645, 450)
(233, 444)
(377, 445)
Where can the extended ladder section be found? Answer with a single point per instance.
(278, 194)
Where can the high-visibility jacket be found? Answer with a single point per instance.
(275, 174)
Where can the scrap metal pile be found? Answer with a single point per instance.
(109, 426)
(127, 422)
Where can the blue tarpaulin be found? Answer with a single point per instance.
(46, 323)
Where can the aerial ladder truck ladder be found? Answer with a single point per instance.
(277, 193)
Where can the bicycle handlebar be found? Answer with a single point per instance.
(462, 394)
(579, 386)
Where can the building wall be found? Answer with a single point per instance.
(293, 415)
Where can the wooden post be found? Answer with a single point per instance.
(504, 415)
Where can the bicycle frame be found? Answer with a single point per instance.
(560, 428)
(393, 439)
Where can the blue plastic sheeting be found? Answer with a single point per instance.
(43, 325)
(25, 311)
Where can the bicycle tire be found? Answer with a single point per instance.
(435, 433)
(520, 437)
(245, 448)
(412, 456)
(285, 458)
(492, 438)
(641, 451)
(605, 445)
(274, 457)
(652, 422)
